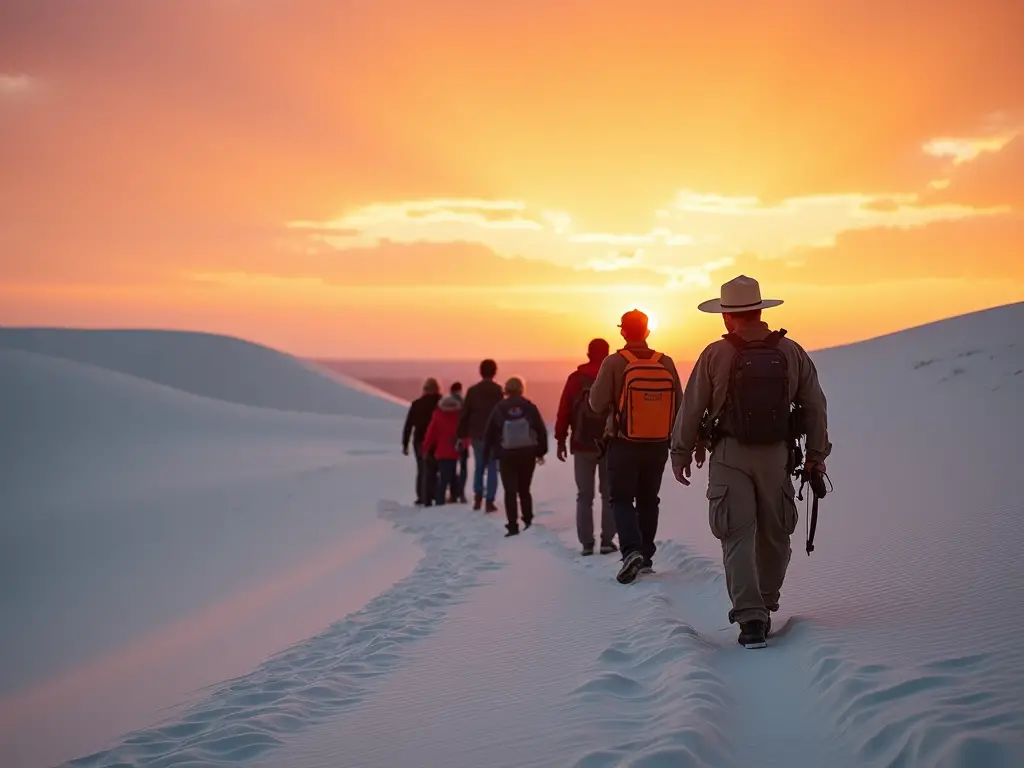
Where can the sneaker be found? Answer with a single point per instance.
(631, 565)
(646, 570)
(588, 549)
(752, 634)
(607, 549)
(768, 627)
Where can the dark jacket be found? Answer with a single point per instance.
(418, 418)
(573, 386)
(512, 407)
(476, 408)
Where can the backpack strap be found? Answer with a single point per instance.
(655, 357)
(735, 340)
(630, 357)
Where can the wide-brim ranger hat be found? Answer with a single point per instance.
(741, 294)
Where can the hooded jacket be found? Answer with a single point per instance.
(515, 406)
(442, 432)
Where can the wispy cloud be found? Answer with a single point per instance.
(963, 150)
(694, 234)
(14, 86)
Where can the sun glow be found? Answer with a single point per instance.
(652, 318)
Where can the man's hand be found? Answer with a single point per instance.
(540, 460)
(405, 450)
(810, 465)
(682, 472)
(700, 454)
(560, 451)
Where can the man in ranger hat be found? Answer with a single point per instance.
(745, 385)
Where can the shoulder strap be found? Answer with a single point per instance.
(655, 357)
(735, 340)
(630, 357)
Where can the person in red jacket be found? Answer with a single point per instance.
(442, 440)
(587, 432)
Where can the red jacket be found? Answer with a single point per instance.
(442, 432)
(569, 392)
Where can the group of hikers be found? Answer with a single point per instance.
(749, 399)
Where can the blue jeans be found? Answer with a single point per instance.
(460, 476)
(634, 475)
(445, 479)
(478, 472)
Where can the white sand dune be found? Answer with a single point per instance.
(898, 640)
(214, 366)
(154, 541)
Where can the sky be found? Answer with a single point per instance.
(459, 179)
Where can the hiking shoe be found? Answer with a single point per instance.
(606, 549)
(527, 522)
(511, 531)
(588, 549)
(646, 570)
(478, 501)
(631, 565)
(767, 627)
(752, 634)
(491, 507)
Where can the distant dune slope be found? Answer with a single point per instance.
(213, 366)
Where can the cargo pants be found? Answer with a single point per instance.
(752, 512)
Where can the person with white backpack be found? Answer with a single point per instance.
(517, 438)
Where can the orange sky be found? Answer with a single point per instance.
(459, 179)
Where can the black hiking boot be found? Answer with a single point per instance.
(631, 565)
(511, 530)
(752, 634)
(588, 549)
(478, 501)
(491, 506)
(607, 548)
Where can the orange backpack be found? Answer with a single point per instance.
(647, 405)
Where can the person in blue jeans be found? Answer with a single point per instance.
(481, 398)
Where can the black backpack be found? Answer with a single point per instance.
(758, 403)
(587, 426)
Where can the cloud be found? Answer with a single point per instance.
(16, 86)
(995, 178)
(967, 249)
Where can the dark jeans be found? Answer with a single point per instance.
(460, 477)
(516, 475)
(446, 480)
(634, 473)
(417, 450)
(426, 476)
